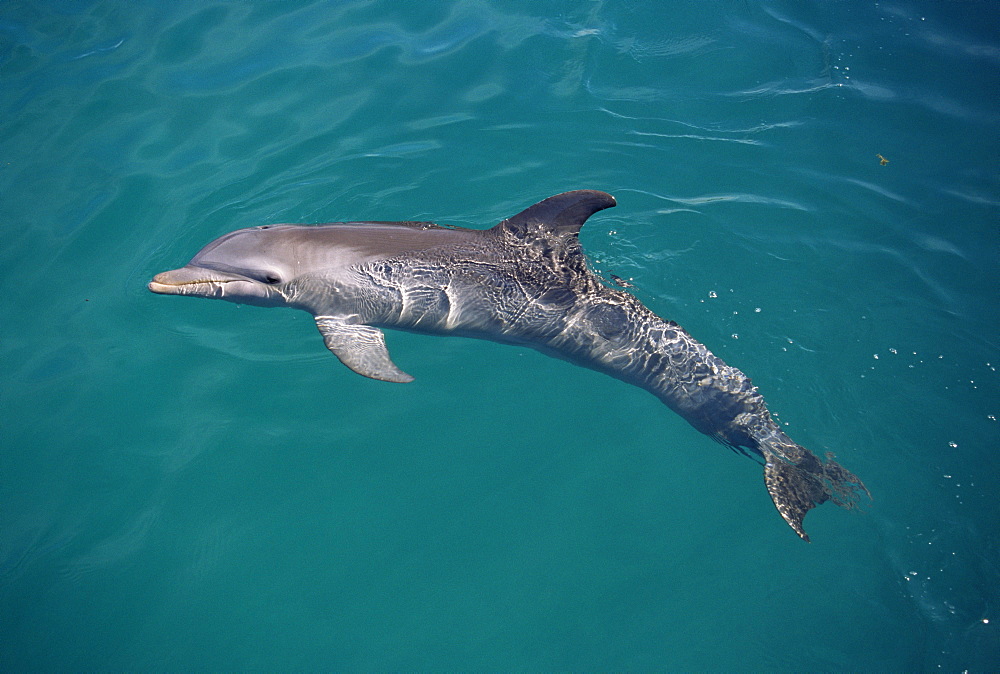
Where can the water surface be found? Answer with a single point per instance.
(189, 484)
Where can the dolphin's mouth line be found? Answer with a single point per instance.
(203, 286)
(195, 283)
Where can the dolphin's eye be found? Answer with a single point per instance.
(271, 279)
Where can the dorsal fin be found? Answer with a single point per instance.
(561, 214)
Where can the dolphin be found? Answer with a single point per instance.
(524, 281)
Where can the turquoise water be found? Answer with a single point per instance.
(198, 485)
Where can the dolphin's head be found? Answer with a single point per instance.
(271, 265)
(248, 266)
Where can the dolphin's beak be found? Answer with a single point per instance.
(192, 281)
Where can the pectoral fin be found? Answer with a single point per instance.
(361, 348)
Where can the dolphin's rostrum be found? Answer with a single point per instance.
(524, 281)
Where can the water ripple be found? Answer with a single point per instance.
(785, 87)
(740, 198)
(703, 126)
(641, 50)
(692, 136)
(114, 549)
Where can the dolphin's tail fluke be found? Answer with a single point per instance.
(798, 481)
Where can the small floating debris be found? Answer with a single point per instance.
(882, 160)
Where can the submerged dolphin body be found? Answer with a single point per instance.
(524, 281)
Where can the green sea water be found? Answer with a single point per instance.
(194, 485)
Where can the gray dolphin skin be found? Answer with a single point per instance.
(524, 281)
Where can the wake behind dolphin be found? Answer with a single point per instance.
(524, 281)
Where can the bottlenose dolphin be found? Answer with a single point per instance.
(524, 281)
